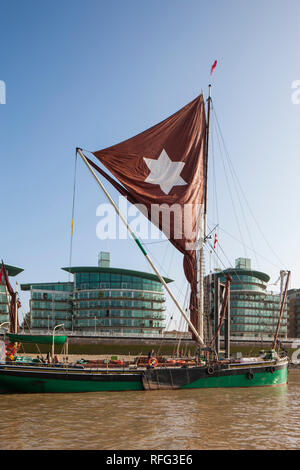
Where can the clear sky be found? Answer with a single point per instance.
(93, 73)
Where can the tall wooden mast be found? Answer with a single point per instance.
(203, 223)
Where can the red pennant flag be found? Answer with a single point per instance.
(216, 240)
(213, 66)
(1, 273)
(161, 168)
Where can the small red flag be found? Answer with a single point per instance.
(1, 273)
(213, 66)
(216, 240)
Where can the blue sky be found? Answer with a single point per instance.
(93, 73)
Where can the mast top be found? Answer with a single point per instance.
(209, 94)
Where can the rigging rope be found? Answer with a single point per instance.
(230, 194)
(236, 183)
(243, 194)
(230, 266)
(254, 251)
(166, 272)
(215, 194)
(73, 210)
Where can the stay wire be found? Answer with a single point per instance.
(224, 266)
(215, 193)
(236, 185)
(251, 249)
(230, 193)
(249, 208)
(166, 272)
(229, 266)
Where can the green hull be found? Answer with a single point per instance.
(218, 375)
(37, 339)
(263, 379)
(36, 379)
(26, 385)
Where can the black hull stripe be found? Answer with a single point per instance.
(179, 376)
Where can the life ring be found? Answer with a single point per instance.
(153, 361)
(250, 375)
(210, 370)
(10, 351)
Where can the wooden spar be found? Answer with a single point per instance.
(16, 310)
(198, 337)
(224, 307)
(281, 309)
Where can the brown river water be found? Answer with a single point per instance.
(245, 418)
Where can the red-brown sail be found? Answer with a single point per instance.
(14, 325)
(163, 168)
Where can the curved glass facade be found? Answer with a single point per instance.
(293, 296)
(102, 300)
(118, 302)
(254, 311)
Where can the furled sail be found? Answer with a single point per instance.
(13, 304)
(162, 170)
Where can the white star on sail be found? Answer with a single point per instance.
(164, 172)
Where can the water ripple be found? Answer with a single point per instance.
(257, 418)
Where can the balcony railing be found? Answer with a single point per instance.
(84, 333)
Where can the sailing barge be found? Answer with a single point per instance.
(163, 166)
(65, 378)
